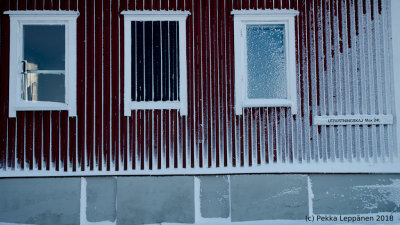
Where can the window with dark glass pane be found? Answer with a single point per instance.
(155, 64)
(43, 77)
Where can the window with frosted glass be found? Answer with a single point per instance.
(266, 61)
(43, 76)
(155, 61)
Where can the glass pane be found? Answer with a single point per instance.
(266, 61)
(43, 87)
(155, 64)
(44, 45)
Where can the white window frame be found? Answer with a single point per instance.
(179, 16)
(243, 18)
(17, 20)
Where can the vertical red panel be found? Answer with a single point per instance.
(174, 136)
(272, 119)
(241, 136)
(261, 4)
(257, 120)
(172, 116)
(230, 78)
(55, 139)
(198, 97)
(39, 4)
(246, 4)
(285, 4)
(29, 139)
(253, 4)
(64, 140)
(156, 4)
(158, 136)
(190, 117)
(90, 48)
(248, 117)
(21, 117)
(20, 139)
(139, 4)
(73, 120)
(222, 104)
(47, 4)
(218, 77)
(73, 4)
(4, 51)
(115, 89)
(180, 4)
(38, 139)
(46, 139)
(72, 142)
(269, 4)
(30, 4)
(172, 4)
(149, 138)
(141, 139)
(56, 4)
(147, 5)
(182, 137)
(266, 133)
(212, 86)
(166, 136)
(132, 139)
(81, 77)
(22, 4)
(339, 11)
(316, 33)
(123, 119)
(205, 79)
(131, 4)
(106, 82)
(164, 4)
(277, 4)
(64, 4)
(348, 13)
(98, 88)
(11, 142)
(13, 5)
(290, 134)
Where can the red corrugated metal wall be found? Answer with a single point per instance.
(101, 138)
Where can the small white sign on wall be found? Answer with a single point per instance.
(353, 120)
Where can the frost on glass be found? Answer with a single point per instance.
(43, 52)
(266, 61)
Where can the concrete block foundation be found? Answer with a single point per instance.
(210, 199)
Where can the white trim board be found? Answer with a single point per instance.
(353, 120)
(276, 168)
(155, 13)
(42, 12)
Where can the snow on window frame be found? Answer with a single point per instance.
(162, 15)
(249, 17)
(45, 17)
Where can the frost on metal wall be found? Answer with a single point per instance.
(343, 67)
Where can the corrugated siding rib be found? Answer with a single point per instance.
(343, 63)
